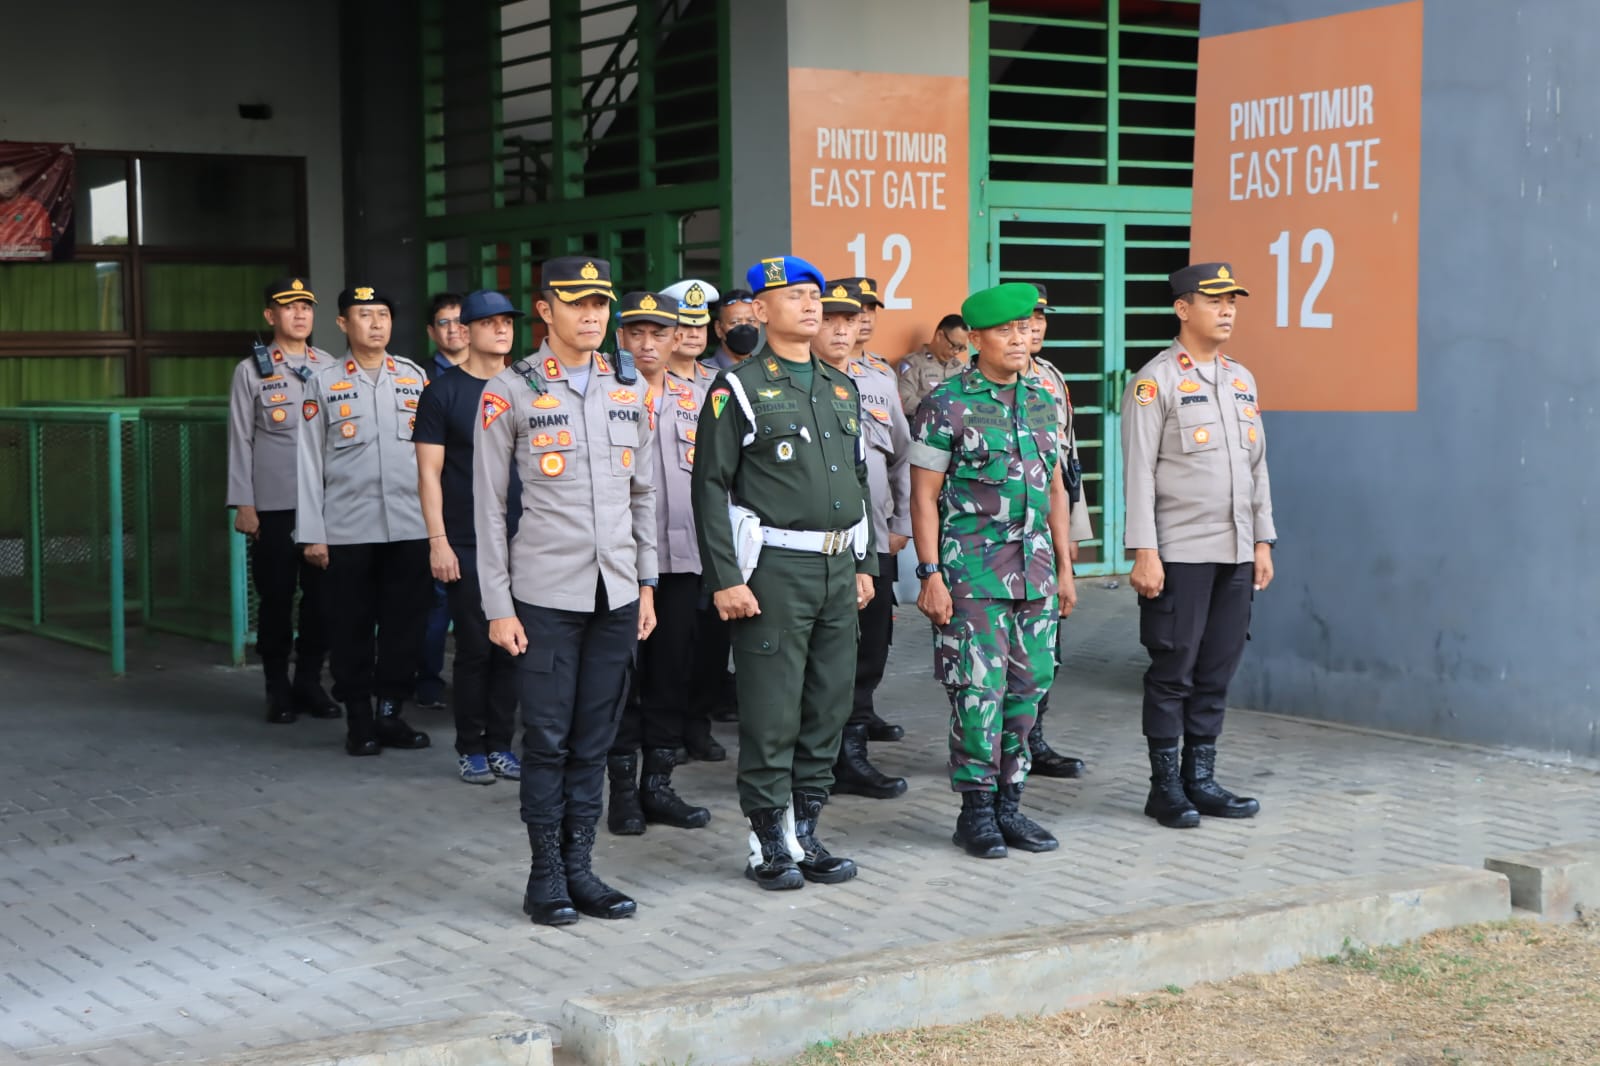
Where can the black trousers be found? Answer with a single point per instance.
(276, 566)
(484, 676)
(375, 599)
(653, 717)
(877, 633)
(711, 683)
(572, 682)
(1195, 633)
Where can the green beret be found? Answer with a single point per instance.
(1003, 303)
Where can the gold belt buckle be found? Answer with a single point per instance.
(831, 542)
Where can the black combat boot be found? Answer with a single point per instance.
(393, 732)
(589, 894)
(854, 775)
(623, 816)
(700, 744)
(1047, 762)
(1167, 803)
(879, 731)
(977, 832)
(659, 802)
(1208, 797)
(546, 900)
(280, 699)
(817, 865)
(309, 695)
(1018, 829)
(776, 871)
(361, 731)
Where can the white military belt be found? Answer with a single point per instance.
(830, 542)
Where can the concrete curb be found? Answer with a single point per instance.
(483, 1040)
(779, 1014)
(1558, 884)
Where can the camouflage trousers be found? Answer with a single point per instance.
(995, 658)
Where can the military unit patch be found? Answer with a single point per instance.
(785, 451)
(719, 400)
(493, 407)
(1144, 392)
(309, 409)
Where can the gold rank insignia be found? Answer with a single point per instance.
(600, 362)
(772, 366)
(841, 392)
(552, 368)
(277, 356)
(1184, 361)
(364, 293)
(769, 394)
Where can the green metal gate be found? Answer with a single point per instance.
(1082, 146)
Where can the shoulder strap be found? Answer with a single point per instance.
(737, 388)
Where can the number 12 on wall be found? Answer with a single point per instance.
(896, 250)
(1317, 240)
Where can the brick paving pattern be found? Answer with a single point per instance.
(179, 880)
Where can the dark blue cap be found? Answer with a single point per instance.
(486, 303)
(781, 271)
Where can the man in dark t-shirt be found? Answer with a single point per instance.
(451, 405)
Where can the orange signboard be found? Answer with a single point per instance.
(878, 187)
(1306, 178)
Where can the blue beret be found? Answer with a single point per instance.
(781, 271)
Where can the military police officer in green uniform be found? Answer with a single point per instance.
(781, 509)
(989, 512)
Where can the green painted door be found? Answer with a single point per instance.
(1110, 311)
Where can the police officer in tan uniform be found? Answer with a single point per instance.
(887, 438)
(574, 591)
(1047, 762)
(263, 416)
(944, 356)
(360, 519)
(1199, 522)
(654, 716)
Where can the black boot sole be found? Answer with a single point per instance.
(782, 883)
(631, 826)
(624, 909)
(556, 916)
(1032, 846)
(1229, 812)
(836, 877)
(850, 788)
(978, 851)
(1189, 819)
(1060, 767)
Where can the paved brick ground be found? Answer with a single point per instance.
(179, 880)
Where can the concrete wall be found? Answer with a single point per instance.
(168, 75)
(1434, 571)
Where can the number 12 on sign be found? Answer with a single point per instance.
(896, 250)
(1317, 240)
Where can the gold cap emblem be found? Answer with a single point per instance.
(297, 285)
(589, 272)
(695, 296)
(1222, 272)
(364, 293)
(841, 292)
(648, 303)
(866, 285)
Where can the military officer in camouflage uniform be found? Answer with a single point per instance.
(263, 417)
(574, 591)
(887, 439)
(1047, 762)
(1199, 506)
(653, 718)
(944, 356)
(360, 519)
(991, 516)
(780, 438)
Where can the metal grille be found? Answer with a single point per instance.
(1090, 92)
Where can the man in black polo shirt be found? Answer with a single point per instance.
(451, 405)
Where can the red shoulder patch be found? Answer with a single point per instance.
(493, 407)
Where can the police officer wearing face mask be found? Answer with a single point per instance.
(738, 332)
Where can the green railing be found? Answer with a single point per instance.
(112, 517)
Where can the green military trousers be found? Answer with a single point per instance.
(795, 668)
(995, 658)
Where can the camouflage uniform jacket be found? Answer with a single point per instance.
(1055, 383)
(996, 446)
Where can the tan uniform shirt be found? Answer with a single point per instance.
(1195, 461)
(920, 371)
(1050, 377)
(263, 423)
(587, 464)
(676, 416)
(888, 441)
(358, 467)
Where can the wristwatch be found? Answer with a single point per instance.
(926, 570)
